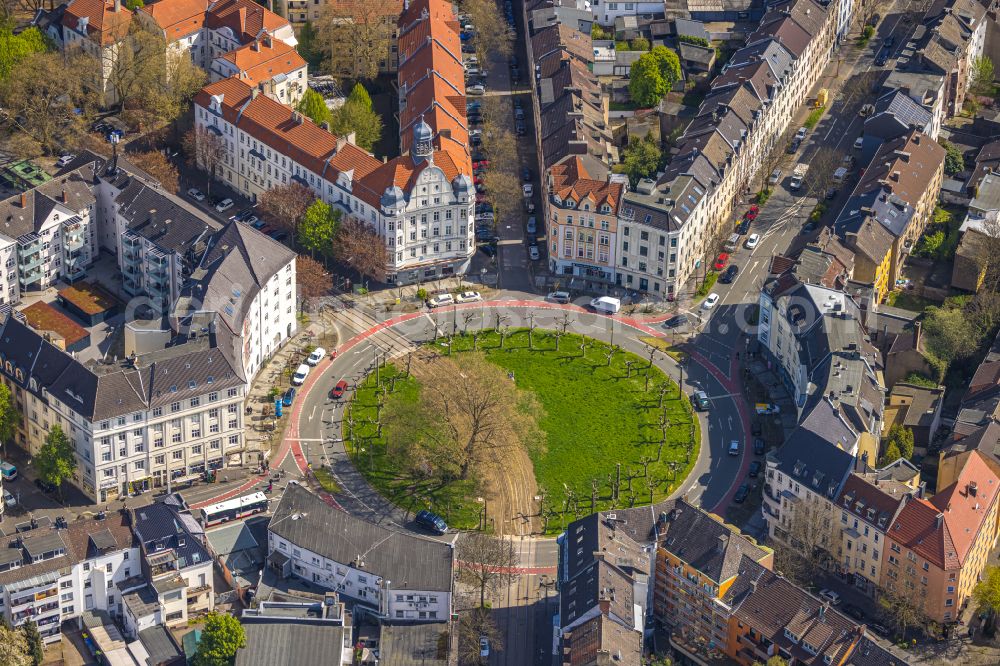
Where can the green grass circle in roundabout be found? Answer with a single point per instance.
(596, 416)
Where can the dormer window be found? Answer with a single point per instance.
(790, 636)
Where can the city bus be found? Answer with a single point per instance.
(234, 509)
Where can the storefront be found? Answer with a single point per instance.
(108, 490)
(138, 485)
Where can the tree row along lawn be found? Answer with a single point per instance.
(594, 417)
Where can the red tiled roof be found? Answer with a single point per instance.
(264, 59)
(103, 22)
(947, 545)
(571, 180)
(245, 18)
(177, 18)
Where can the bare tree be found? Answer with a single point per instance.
(357, 35)
(487, 563)
(471, 626)
(824, 163)
(772, 159)
(810, 537)
(866, 11)
(361, 247)
(899, 600)
(311, 277)
(493, 33)
(206, 150)
(285, 205)
(156, 164)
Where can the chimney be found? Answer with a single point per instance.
(255, 46)
(916, 335)
(118, 5)
(973, 488)
(254, 92)
(822, 612)
(605, 605)
(24, 199)
(65, 197)
(325, 125)
(894, 177)
(721, 542)
(267, 41)
(939, 521)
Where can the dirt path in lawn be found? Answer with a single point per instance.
(508, 480)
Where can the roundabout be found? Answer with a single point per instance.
(314, 437)
(536, 428)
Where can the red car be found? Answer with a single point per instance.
(752, 213)
(721, 261)
(481, 164)
(477, 180)
(338, 391)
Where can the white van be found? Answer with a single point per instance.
(732, 244)
(606, 304)
(300, 375)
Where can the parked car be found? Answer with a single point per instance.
(196, 194)
(558, 297)
(64, 160)
(468, 297)
(484, 646)
(730, 274)
(478, 89)
(710, 302)
(801, 134)
(743, 227)
(527, 189)
(533, 252)
(793, 146)
(431, 521)
(526, 174)
(754, 470)
(316, 356)
(489, 250)
(721, 261)
(767, 408)
(279, 235)
(45, 486)
(300, 375)
(439, 300)
(742, 493)
(699, 400)
(758, 446)
(752, 213)
(676, 321)
(224, 205)
(855, 612)
(337, 392)
(752, 241)
(532, 225)
(859, 142)
(734, 447)
(289, 397)
(775, 177)
(829, 595)
(8, 499)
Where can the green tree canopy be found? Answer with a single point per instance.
(318, 227)
(358, 116)
(9, 416)
(982, 75)
(646, 84)
(313, 106)
(309, 47)
(670, 64)
(55, 461)
(902, 438)
(222, 637)
(15, 48)
(33, 640)
(954, 162)
(987, 591)
(134, 4)
(640, 158)
(948, 334)
(890, 455)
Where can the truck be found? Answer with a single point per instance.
(798, 175)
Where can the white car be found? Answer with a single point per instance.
(300, 375)
(64, 160)
(196, 194)
(477, 89)
(528, 189)
(484, 646)
(533, 253)
(224, 205)
(734, 448)
(468, 297)
(440, 300)
(8, 499)
(471, 60)
(860, 141)
(558, 297)
(801, 134)
(752, 241)
(710, 302)
(829, 595)
(316, 356)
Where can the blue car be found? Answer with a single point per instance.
(286, 400)
(431, 521)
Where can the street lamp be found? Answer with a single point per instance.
(482, 513)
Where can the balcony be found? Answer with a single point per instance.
(130, 241)
(29, 277)
(39, 596)
(30, 260)
(131, 285)
(73, 241)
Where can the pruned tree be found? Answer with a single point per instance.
(824, 163)
(156, 164)
(358, 245)
(866, 11)
(901, 605)
(311, 277)
(356, 36)
(206, 150)
(808, 530)
(502, 179)
(493, 34)
(284, 205)
(771, 159)
(487, 563)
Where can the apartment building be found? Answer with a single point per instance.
(937, 548)
(898, 191)
(205, 30)
(174, 413)
(394, 576)
(269, 64)
(98, 28)
(53, 573)
(583, 222)
(697, 562)
(420, 203)
(869, 503)
(48, 234)
(295, 631)
(954, 36)
(176, 582)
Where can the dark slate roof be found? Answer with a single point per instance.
(239, 262)
(279, 643)
(158, 523)
(412, 644)
(160, 647)
(601, 581)
(706, 544)
(17, 219)
(599, 637)
(159, 219)
(411, 562)
(869, 653)
(810, 455)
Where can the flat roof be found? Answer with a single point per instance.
(43, 317)
(89, 297)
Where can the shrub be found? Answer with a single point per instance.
(422, 294)
(691, 39)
